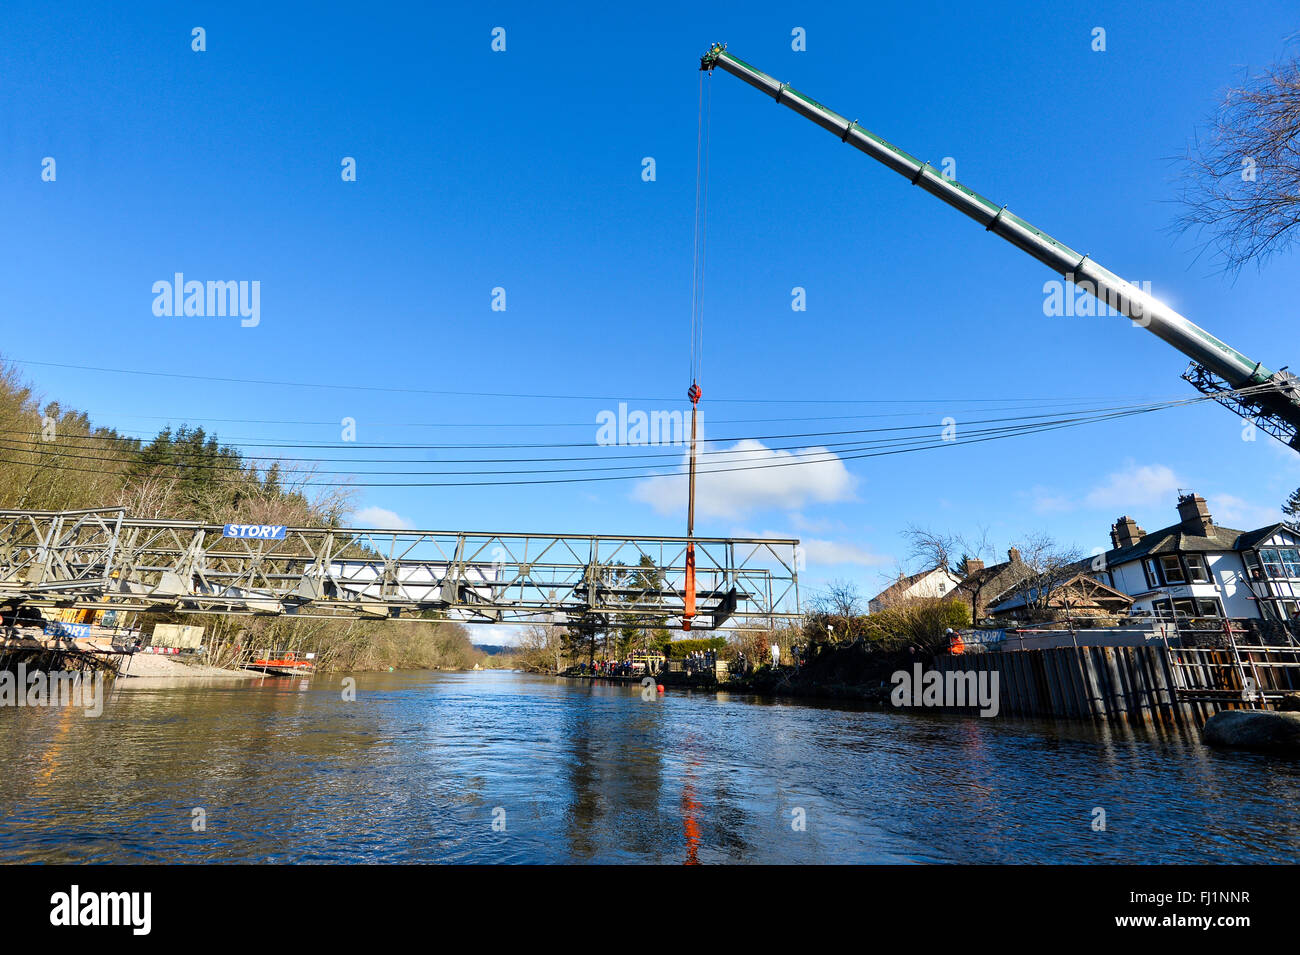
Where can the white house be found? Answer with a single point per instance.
(1196, 568)
(937, 582)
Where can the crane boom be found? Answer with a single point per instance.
(1270, 399)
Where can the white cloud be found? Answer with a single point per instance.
(1134, 488)
(1232, 511)
(824, 552)
(819, 552)
(813, 526)
(765, 479)
(1046, 502)
(381, 517)
(1153, 487)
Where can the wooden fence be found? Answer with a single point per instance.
(1148, 684)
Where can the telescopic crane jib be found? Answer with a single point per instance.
(1271, 399)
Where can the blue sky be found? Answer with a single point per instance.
(522, 170)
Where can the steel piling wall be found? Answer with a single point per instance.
(1135, 684)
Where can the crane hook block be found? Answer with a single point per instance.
(694, 392)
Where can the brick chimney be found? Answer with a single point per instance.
(1125, 532)
(971, 565)
(1013, 555)
(1195, 515)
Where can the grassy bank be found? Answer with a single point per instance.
(342, 645)
(61, 460)
(852, 672)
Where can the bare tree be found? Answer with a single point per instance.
(1047, 566)
(538, 648)
(1241, 176)
(974, 585)
(839, 598)
(932, 548)
(946, 550)
(149, 496)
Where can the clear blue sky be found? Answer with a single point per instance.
(522, 169)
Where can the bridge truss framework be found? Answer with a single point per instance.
(101, 559)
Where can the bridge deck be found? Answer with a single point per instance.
(100, 559)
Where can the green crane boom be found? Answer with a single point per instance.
(1271, 399)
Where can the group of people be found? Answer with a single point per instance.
(695, 662)
(701, 661)
(605, 667)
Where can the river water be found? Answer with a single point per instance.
(506, 767)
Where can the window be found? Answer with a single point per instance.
(1197, 572)
(1208, 607)
(1197, 607)
(1272, 563)
(1153, 576)
(1253, 570)
(1290, 561)
(1172, 569)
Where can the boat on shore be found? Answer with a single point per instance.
(283, 663)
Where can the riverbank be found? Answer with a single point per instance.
(850, 672)
(860, 673)
(152, 666)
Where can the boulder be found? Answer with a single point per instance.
(1253, 729)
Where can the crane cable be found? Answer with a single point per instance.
(701, 226)
(697, 329)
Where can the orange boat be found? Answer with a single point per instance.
(284, 663)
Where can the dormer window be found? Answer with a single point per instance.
(1197, 572)
(1177, 569)
(1172, 568)
(1290, 561)
(1281, 563)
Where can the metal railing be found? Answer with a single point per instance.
(1232, 670)
(102, 560)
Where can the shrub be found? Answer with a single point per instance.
(677, 649)
(920, 623)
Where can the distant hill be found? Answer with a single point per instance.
(492, 650)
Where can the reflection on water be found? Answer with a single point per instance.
(285, 770)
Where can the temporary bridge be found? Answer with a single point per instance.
(100, 559)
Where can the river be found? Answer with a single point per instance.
(506, 767)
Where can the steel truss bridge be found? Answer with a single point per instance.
(102, 560)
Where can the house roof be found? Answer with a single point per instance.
(995, 580)
(1095, 588)
(1174, 539)
(1261, 535)
(902, 584)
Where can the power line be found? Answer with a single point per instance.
(1003, 433)
(372, 446)
(333, 423)
(489, 394)
(735, 455)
